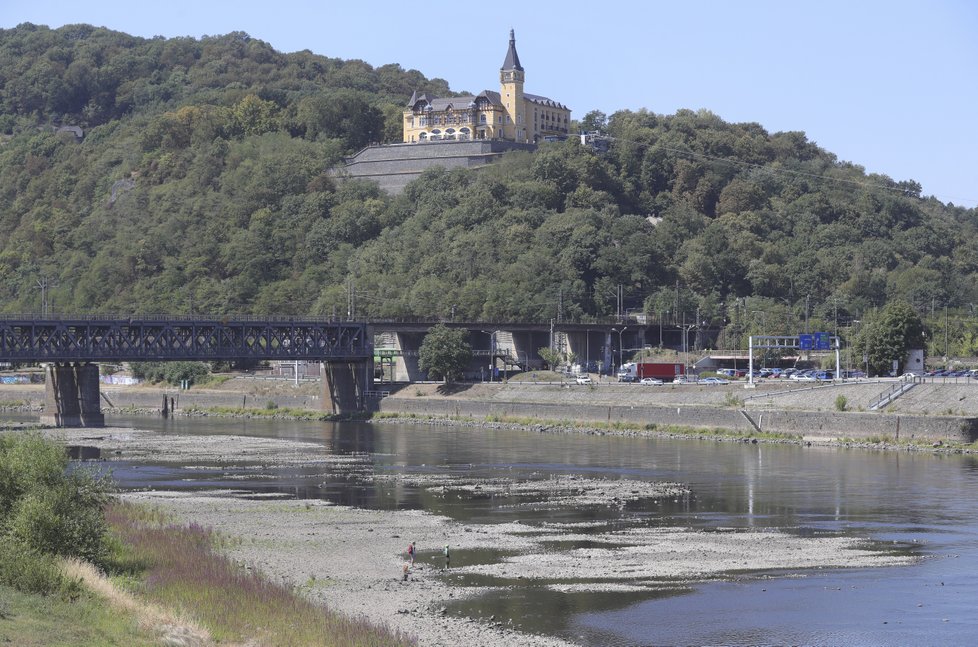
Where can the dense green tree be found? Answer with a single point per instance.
(445, 353)
(890, 335)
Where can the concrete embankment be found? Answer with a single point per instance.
(808, 424)
(805, 411)
(150, 398)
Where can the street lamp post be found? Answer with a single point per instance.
(686, 328)
(492, 351)
(587, 351)
(621, 354)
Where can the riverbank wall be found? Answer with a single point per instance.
(559, 406)
(816, 425)
(143, 399)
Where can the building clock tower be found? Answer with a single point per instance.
(511, 77)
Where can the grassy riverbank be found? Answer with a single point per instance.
(181, 567)
(33, 620)
(159, 567)
(77, 567)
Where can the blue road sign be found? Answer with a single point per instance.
(822, 341)
(806, 342)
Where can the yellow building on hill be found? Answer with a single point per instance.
(508, 115)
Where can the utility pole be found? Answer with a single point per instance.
(351, 305)
(945, 333)
(43, 284)
(806, 313)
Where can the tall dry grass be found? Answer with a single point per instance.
(182, 570)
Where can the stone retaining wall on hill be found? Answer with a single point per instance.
(393, 166)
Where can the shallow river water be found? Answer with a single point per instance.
(923, 504)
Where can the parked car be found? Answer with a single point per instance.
(584, 379)
(650, 381)
(709, 381)
(803, 376)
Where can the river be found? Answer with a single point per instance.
(918, 503)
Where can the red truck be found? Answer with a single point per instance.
(635, 371)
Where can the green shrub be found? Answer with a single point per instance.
(841, 403)
(47, 512)
(170, 372)
(64, 520)
(271, 405)
(27, 461)
(731, 400)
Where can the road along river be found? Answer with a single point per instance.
(574, 538)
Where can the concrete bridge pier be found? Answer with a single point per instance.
(345, 385)
(406, 367)
(71, 396)
(586, 345)
(526, 347)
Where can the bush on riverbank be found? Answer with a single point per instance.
(46, 513)
(173, 373)
(178, 567)
(291, 413)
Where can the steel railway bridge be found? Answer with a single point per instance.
(71, 343)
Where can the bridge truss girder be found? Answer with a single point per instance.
(147, 339)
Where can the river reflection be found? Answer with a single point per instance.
(919, 502)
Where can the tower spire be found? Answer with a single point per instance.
(512, 61)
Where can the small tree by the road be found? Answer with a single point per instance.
(551, 356)
(444, 353)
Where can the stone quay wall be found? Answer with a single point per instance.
(808, 424)
(152, 399)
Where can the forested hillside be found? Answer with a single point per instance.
(201, 185)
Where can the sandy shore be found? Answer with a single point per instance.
(352, 559)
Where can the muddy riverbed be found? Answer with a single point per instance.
(558, 534)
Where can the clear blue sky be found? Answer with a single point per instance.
(890, 86)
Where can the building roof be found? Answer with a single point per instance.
(465, 102)
(512, 61)
(455, 103)
(544, 101)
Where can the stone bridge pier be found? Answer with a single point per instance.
(71, 396)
